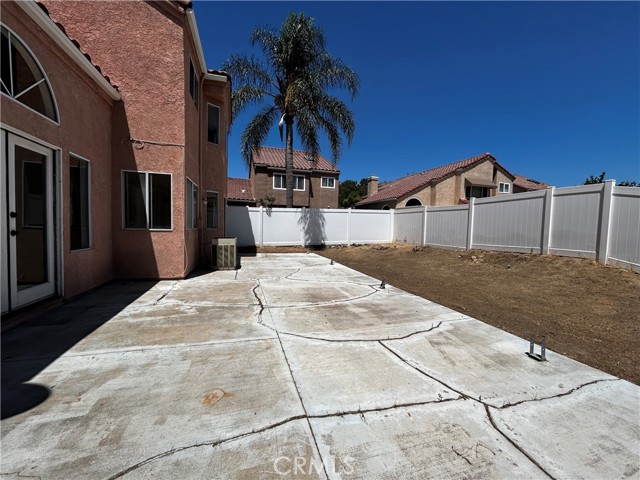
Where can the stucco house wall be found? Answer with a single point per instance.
(84, 130)
(313, 196)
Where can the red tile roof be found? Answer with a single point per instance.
(402, 186)
(240, 189)
(77, 45)
(274, 157)
(528, 183)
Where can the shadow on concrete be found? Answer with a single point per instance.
(33, 345)
(312, 223)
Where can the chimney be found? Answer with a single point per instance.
(372, 186)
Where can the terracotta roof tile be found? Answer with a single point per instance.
(77, 44)
(528, 183)
(274, 157)
(240, 189)
(402, 186)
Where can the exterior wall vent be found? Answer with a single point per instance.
(224, 253)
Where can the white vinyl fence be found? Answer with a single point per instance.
(593, 221)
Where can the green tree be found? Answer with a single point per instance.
(295, 77)
(351, 192)
(600, 179)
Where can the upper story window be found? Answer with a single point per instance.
(22, 77)
(193, 83)
(328, 182)
(213, 123)
(280, 182)
(80, 203)
(191, 207)
(477, 192)
(504, 187)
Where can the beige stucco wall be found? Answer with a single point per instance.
(85, 130)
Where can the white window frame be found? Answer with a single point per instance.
(146, 200)
(191, 196)
(207, 192)
(333, 180)
(219, 124)
(79, 157)
(304, 182)
(53, 95)
(506, 186)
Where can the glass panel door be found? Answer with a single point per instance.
(31, 226)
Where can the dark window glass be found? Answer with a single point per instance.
(80, 203)
(212, 210)
(213, 123)
(477, 192)
(6, 63)
(160, 201)
(135, 210)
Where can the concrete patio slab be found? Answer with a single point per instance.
(292, 367)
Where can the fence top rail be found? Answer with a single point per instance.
(412, 208)
(512, 198)
(447, 208)
(626, 191)
(595, 188)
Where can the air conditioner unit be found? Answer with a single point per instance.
(224, 254)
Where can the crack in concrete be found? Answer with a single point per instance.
(295, 385)
(515, 445)
(355, 340)
(255, 294)
(165, 294)
(384, 409)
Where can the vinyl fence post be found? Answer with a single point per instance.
(547, 214)
(605, 217)
(261, 243)
(391, 225)
(349, 227)
(472, 201)
(424, 227)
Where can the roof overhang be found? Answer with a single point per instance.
(479, 182)
(191, 21)
(45, 22)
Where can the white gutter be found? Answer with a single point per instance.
(46, 23)
(215, 77)
(191, 19)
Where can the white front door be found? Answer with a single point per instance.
(28, 254)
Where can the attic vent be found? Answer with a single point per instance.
(223, 254)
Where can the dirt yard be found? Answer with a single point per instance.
(585, 310)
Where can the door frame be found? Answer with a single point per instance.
(56, 209)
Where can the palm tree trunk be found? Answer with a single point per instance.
(289, 159)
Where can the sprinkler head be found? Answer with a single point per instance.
(383, 285)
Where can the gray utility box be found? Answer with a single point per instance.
(224, 254)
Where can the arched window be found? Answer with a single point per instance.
(414, 202)
(386, 207)
(22, 77)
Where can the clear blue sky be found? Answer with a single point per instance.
(551, 89)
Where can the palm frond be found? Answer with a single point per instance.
(245, 95)
(249, 70)
(256, 131)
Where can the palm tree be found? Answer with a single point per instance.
(295, 76)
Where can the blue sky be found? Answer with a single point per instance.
(551, 89)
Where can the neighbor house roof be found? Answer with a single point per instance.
(240, 189)
(529, 183)
(274, 157)
(402, 186)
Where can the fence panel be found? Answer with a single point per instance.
(447, 226)
(284, 226)
(407, 225)
(244, 224)
(370, 226)
(624, 227)
(575, 220)
(509, 222)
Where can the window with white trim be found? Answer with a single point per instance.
(212, 209)
(191, 197)
(193, 83)
(80, 204)
(23, 79)
(280, 182)
(213, 123)
(328, 182)
(146, 200)
(504, 187)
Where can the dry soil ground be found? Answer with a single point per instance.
(586, 311)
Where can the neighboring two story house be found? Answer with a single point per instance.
(315, 182)
(122, 176)
(451, 184)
